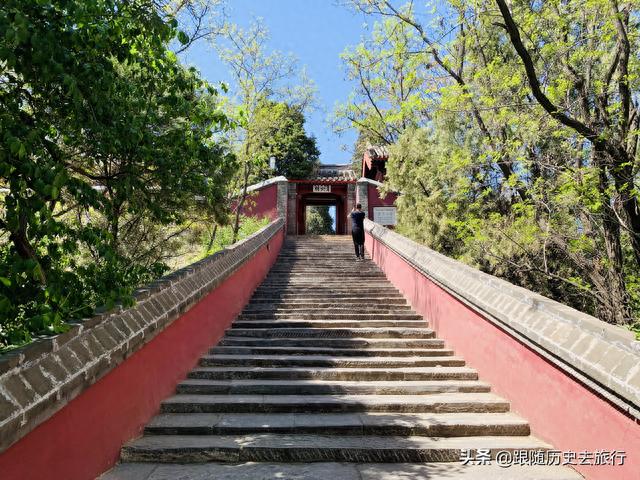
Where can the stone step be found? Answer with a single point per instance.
(348, 269)
(274, 309)
(319, 373)
(276, 305)
(345, 286)
(345, 263)
(394, 343)
(328, 280)
(329, 275)
(315, 296)
(318, 252)
(344, 290)
(329, 246)
(376, 312)
(437, 402)
(336, 314)
(318, 247)
(312, 257)
(384, 332)
(328, 292)
(285, 271)
(323, 387)
(303, 301)
(404, 425)
(280, 322)
(284, 266)
(309, 257)
(347, 352)
(311, 253)
(314, 448)
(339, 259)
(337, 471)
(328, 361)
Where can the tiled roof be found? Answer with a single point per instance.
(336, 173)
(378, 152)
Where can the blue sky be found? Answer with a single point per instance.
(316, 32)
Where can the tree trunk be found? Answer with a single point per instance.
(212, 237)
(617, 305)
(623, 178)
(113, 219)
(632, 209)
(24, 248)
(236, 225)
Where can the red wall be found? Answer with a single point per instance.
(262, 203)
(560, 410)
(337, 197)
(376, 201)
(84, 438)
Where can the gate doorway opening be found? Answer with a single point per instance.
(320, 219)
(328, 206)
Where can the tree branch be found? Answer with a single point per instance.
(598, 141)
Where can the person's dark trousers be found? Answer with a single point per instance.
(358, 241)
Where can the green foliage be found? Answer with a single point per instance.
(104, 136)
(279, 133)
(390, 85)
(224, 234)
(260, 75)
(357, 155)
(489, 173)
(319, 221)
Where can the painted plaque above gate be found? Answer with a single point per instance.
(322, 189)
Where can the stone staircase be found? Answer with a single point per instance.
(329, 374)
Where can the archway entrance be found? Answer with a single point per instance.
(333, 201)
(334, 187)
(327, 194)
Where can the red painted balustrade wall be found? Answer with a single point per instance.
(83, 439)
(561, 410)
(376, 200)
(262, 203)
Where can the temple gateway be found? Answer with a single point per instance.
(335, 186)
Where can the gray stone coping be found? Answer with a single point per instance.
(375, 183)
(39, 379)
(266, 183)
(604, 357)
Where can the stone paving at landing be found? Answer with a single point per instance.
(329, 374)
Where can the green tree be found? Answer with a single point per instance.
(258, 74)
(319, 221)
(391, 84)
(517, 163)
(101, 129)
(199, 19)
(280, 134)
